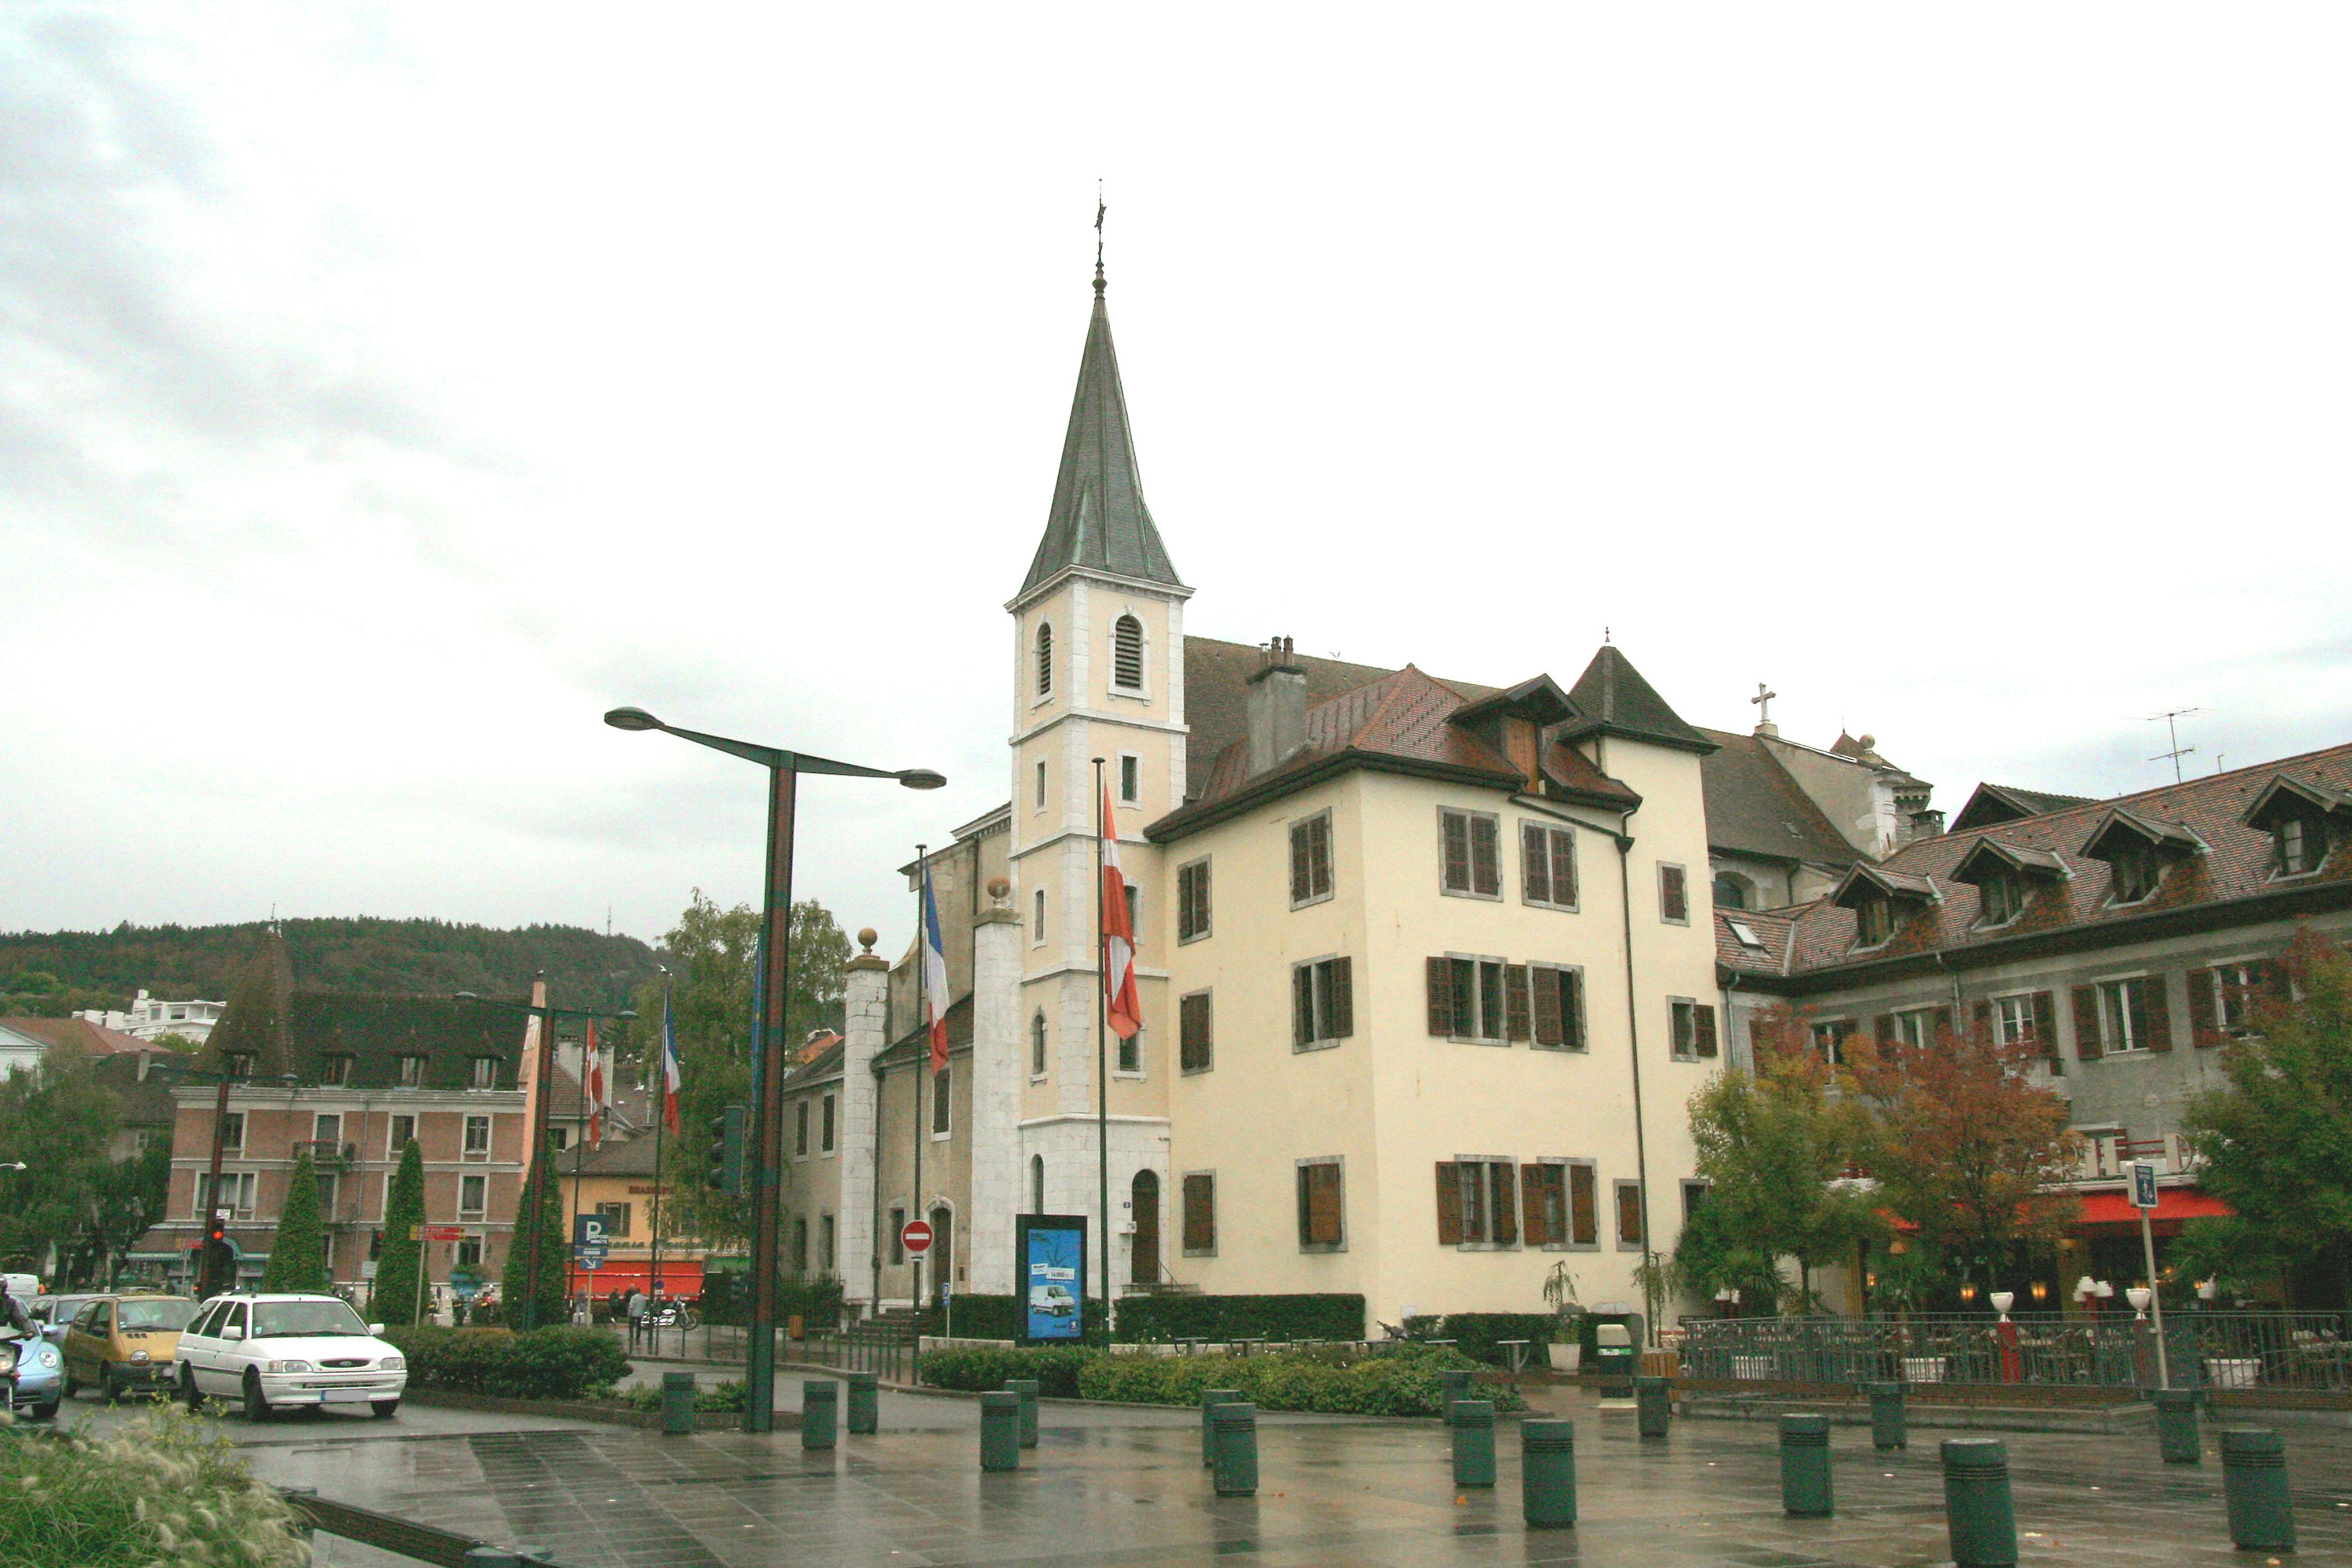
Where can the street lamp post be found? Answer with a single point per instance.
(534, 1195)
(768, 1056)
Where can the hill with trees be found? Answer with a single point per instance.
(53, 973)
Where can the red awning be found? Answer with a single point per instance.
(2173, 1203)
(680, 1277)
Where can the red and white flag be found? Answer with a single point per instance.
(1117, 933)
(594, 1089)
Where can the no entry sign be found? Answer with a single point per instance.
(917, 1237)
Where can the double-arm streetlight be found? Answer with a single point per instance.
(534, 1190)
(769, 1054)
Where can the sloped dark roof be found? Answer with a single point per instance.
(1993, 803)
(618, 1157)
(253, 1022)
(1755, 808)
(917, 1041)
(823, 1065)
(1099, 517)
(1616, 700)
(375, 1032)
(95, 1040)
(137, 1103)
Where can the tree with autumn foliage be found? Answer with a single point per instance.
(1971, 1150)
(2277, 1143)
(1779, 1146)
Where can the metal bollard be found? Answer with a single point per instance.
(1210, 1400)
(2175, 1426)
(1026, 1387)
(1657, 1405)
(1474, 1442)
(1805, 1467)
(1548, 1473)
(1979, 1514)
(677, 1404)
(820, 1412)
(2253, 1485)
(1889, 1426)
(865, 1404)
(1234, 1427)
(1000, 1431)
(1453, 1386)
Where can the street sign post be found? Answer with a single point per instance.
(437, 1233)
(915, 1237)
(588, 1230)
(592, 1255)
(2144, 1198)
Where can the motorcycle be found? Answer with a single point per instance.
(35, 1372)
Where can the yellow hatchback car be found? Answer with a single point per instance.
(119, 1343)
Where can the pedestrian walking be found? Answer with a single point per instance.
(637, 1315)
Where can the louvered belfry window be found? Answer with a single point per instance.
(1127, 653)
(1044, 658)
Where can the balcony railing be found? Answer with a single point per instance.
(327, 1154)
(2307, 1351)
(2105, 1154)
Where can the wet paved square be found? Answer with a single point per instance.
(1124, 1486)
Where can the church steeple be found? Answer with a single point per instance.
(1099, 517)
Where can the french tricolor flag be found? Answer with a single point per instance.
(935, 975)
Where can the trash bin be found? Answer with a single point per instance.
(1615, 1356)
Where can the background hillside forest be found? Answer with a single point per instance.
(51, 974)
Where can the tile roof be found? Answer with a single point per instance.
(1994, 803)
(567, 1102)
(632, 1156)
(1755, 808)
(1616, 700)
(916, 1040)
(1099, 517)
(96, 1039)
(1775, 931)
(2236, 865)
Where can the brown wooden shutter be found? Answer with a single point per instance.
(1323, 1193)
(1200, 1213)
(1302, 1005)
(1441, 996)
(2204, 1012)
(1299, 861)
(1535, 1224)
(1629, 1212)
(1943, 1020)
(1547, 1007)
(1984, 1022)
(1703, 1028)
(2157, 989)
(1883, 1027)
(1514, 999)
(1572, 1008)
(2086, 1023)
(2045, 1024)
(1318, 840)
(1583, 1207)
(1485, 857)
(1449, 1204)
(1506, 1204)
(1457, 852)
(1673, 893)
(1535, 863)
(1343, 997)
(1563, 866)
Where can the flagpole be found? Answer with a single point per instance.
(661, 1115)
(921, 1065)
(1102, 1068)
(579, 1160)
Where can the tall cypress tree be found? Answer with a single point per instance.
(297, 1255)
(554, 1250)
(396, 1260)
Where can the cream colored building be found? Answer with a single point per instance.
(1426, 967)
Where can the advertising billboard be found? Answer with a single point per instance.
(1049, 1254)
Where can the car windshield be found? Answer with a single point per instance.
(157, 1315)
(304, 1320)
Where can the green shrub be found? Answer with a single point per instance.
(1333, 1382)
(999, 1318)
(557, 1362)
(1161, 1318)
(1479, 1335)
(164, 1488)
(814, 1299)
(1056, 1368)
(720, 1399)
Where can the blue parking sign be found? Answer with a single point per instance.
(2143, 1183)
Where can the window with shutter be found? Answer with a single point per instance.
(1547, 866)
(2156, 996)
(1629, 1214)
(1681, 1028)
(1438, 974)
(1703, 1015)
(1485, 856)
(2123, 1015)
(1673, 895)
(1545, 983)
(1196, 1052)
(1127, 653)
(1583, 1205)
(1476, 1008)
(1503, 1175)
(1544, 1193)
(1310, 859)
(1516, 1022)
(2086, 1023)
(1322, 1002)
(1478, 1202)
(1201, 1214)
(1044, 658)
(1449, 1204)
(2045, 1029)
(1191, 901)
(1322, 1211)
(1470, 852)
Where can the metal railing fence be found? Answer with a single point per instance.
(886, 1350)
(2302, 1351)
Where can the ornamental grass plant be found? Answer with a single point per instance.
(166, 1492)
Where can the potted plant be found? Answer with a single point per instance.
(1567, 1348)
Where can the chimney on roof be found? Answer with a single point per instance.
(1277, 707)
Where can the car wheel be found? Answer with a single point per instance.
(189, 1392)
(72, 1384)
(385, 1408)
(47, 1412)
(108, 1389)
(257, 1407)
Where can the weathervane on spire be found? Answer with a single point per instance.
(1100, 210)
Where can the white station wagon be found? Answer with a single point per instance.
(276, 1352)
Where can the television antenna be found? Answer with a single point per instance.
(2172, 717)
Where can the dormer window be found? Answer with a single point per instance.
(1127, 653)
(2002, 896)
(1874, 921)
(2301, 845)
(2005, 876)
(1884, 902)
(2298, 816)
(2136, 872)
(240, 1064)
(1044, 658)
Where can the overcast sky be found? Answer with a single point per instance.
(384, 393)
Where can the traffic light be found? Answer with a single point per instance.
(725, 1173)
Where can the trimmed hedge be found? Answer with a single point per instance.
(1145, 1319)
(1333, 1382)
(561, 1361)
(1479, 1335)
(1056, 1368)
(814, 1299)
(997, 1317)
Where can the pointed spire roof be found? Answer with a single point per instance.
(1098, 519)
(1615, 701)
(253, 1022)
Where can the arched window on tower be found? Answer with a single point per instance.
(1045, 658)
(1127, 653)
(1037, 1044)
